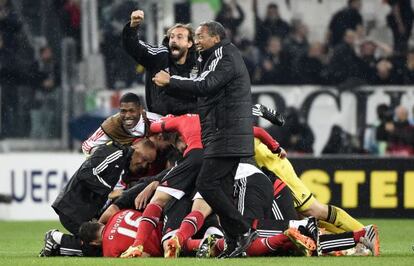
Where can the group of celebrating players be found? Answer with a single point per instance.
(192, 176)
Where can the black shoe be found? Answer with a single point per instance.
(312, 230)
(51, 247)
(269, 114)
(206, 249)
(243, 242)
(230, 246)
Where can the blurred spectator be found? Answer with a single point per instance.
(412, 116)
(386, 73)
(345, 63)
(250, 54)
(295, 136)
(272, 25)
(12, 71)
(400, 20)
(120, 68)
(348, 18)
(375, 135)
(370, 53)
(382, 134)
(9, 25)
(296, 46)
(341, 141)
(311, 65)
(9, 74)
(367, 51)
(273, 66)
(228, 20)
(71, 17)
(409, 68)
(43, 114)
(401, 134)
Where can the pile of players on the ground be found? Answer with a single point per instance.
(136, 196)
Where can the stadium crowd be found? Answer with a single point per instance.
(280, 53)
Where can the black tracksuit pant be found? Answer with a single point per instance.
(215, 183)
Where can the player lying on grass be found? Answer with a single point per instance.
(333, 218)
(357, 243)
(251, 195)
(177, 180)
(120, 230)
(87, 192)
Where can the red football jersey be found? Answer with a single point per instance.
(188, 126)
(120, 231)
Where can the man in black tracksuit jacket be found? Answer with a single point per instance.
(87, 191)
(173, 56)
(224, 106)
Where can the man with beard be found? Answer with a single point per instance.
(175, 55)
(224, 105)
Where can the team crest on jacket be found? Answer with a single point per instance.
(194, 72)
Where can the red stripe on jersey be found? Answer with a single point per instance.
(97, 135)
(86, 147)
(278, 186)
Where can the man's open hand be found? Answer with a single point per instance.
(133, 252)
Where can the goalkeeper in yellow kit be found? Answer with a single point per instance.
(269, 155)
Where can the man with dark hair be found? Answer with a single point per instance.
(224, 106)
(115, 236)
(177, 182)
(87, 192)
(130, 123)
(176, 55)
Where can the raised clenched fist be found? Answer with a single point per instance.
(136, 18)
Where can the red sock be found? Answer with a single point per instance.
(358, 234)
(192, 244)
(189, 226)
(288, 245)
(150, 218)
(277, 241)
(220, 245)
(258, 247)
(262, 246)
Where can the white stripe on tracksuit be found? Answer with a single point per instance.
(329, 244)
(242, 184)
(70, 252)
(154, 50)
(268, 233)
(218, 54)
(276, 211)
(104, 164)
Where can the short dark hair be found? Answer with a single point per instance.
(171, 154)
(184, 26)
(130, 97)
(214, 28)
(145, 142)
(88, 231)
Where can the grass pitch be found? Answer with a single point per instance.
(20, 243)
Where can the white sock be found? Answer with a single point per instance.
(57, 236)
(213, 231)
(297, 223)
